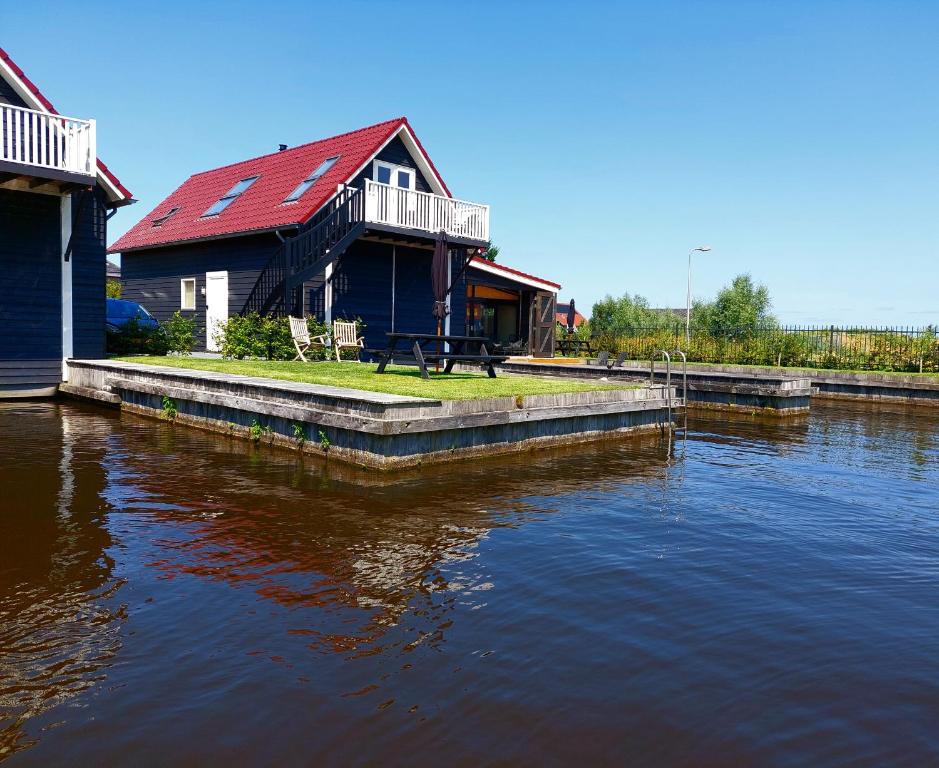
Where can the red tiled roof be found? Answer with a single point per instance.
(509, 271)
(262, 207)
(561, 315)
(102, 168)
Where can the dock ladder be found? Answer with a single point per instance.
(683, 402)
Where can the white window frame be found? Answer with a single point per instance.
(393, 170)
(182, 293)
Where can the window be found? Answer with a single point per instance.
(187, 290)
(160, 220)
(239, 189)
(395, 175)
(310, 180)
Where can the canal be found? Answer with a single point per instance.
(769, 594)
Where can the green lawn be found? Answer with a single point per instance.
(397, 379)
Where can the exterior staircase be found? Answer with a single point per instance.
(279, 288)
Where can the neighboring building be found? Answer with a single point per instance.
(55, 198)
(339, 228)
(510, 307)
(113, 271)
(561, 315)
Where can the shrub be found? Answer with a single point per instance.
(136, 339)
(180, 333)
(113, 289)
(269, 338)
(241, 336)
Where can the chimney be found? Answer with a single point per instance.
(281, 147)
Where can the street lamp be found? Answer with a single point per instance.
(703, 249)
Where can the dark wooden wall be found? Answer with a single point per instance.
(152, 277)
(8, 95)
(362, 280)
(89, 243)
(395, 152)
(31, 284)
(31, 287)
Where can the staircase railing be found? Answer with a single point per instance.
(267, 296)
(286, 270)
(344, 212)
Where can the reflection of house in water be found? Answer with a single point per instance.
(58, 624)
(361, 548)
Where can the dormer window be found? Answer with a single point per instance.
(310, 180)
(160, 220)
(233, 194)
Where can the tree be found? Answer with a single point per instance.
(113, 289)
(491, 252)
(623, 315)
(739, 308)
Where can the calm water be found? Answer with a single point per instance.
(769, 596)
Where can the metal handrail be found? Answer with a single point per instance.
(684, 375)
(668, 380)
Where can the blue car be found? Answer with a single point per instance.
(120, 312)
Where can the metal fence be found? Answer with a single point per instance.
(874, 349)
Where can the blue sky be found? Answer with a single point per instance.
(799, 140)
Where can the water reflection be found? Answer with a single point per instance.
(364, 548)
(161, 586)
(59, 616)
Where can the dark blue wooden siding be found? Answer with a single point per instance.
(362, 280)
(89, 242)
(152, 277)
(31, 287)
(8, 95)
(395, 152)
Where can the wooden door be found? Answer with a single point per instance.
(542, 327)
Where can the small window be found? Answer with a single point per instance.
(187, 291)
(310, 180)
(393, 175)
(239, 189)
(160, 220)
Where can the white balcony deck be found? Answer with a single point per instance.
(43, 144)
(409, 209)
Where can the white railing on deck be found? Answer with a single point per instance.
(35, 138)
(385, 204)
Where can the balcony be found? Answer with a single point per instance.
(408, 209)
(39, 146)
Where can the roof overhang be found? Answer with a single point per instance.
(206, 239)
(117, 194)
(514, 275)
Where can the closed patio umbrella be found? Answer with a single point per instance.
(571, 316)
(439, 275)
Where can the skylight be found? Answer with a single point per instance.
(310, 180)
(233, 194)
(159, 220)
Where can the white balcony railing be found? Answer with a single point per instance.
(39, 139)
(385, 204)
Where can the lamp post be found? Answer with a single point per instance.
(703, 249)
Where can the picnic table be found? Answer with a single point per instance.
(425, 346)
(571, 345)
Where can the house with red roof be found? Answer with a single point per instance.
(343, 227)
(56, 196)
